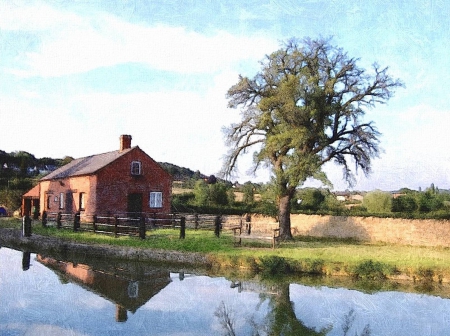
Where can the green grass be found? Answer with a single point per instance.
(302, 255)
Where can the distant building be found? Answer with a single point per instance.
(122, 181)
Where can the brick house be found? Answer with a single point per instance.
(124, 181)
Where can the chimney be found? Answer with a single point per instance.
(125, 142)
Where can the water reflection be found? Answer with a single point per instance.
(86, 296)
(26, 258)
(127, 289)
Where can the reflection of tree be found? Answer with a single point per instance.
(349, 318)
(282, 317)
(226, 319)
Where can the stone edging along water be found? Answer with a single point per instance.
(13, 237)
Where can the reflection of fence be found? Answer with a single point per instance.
(137, 224)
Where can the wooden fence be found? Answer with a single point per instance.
(138, 224)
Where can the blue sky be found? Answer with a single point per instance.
(74, 75)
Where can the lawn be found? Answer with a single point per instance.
(302, 255)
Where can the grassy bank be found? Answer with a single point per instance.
(302, 256)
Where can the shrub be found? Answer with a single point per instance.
(378, 201)
(370, 269)
(274, 265)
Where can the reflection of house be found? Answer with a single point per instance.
(125, 180)
(129, 290)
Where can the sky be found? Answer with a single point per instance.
(75, 75)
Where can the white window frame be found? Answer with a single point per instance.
(156, 199)
(82, 200)
(136, 168)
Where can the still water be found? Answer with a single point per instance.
(40, 295)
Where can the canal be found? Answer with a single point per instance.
(41, 295)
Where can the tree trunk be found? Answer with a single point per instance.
(284, 217)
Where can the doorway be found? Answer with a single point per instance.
(134, 205)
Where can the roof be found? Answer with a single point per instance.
(33, 192)
(86, 165)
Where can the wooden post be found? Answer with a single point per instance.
(182, 227)
(26, 226)
(76, 222)
(94, 224)
(249, 224)
(196, 221)
(142, 227)
(116, 223)
(58, 220)
(44, 218)
(217, 226)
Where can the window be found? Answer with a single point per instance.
(156, 199)
(82, 201)
(136, 168)
(61, 200)
(49, 201)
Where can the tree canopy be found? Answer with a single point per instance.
(303, 109)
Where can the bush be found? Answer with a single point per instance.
(372, 270)
(378, 202)
(274, 265)
(405, 203)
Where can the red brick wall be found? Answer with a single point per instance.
(115, 182)
(108, 190)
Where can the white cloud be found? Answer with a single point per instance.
(85, 43)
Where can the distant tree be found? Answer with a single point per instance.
(210, 194)
(218, 193)
(427, 201)
(302, 110)
(211, 179)
(248, 191)
(311, 198)
(201, 192)
(404, 203)
(66, 160)
(406, 191)
(378, 201)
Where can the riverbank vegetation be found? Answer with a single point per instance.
(303, 255)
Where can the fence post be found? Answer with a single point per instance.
(196, 221)
(26, 226)
(44, 218)
(76, 222)
(94, 224)
(116, 223)
(217, 226)
(58, 220)
(153, 221)
(182, 227)
(142, 227)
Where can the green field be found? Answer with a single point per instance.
(303, 255)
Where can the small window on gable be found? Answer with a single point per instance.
(136, 168)
(156, 199)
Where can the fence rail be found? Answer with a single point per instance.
(138, 224)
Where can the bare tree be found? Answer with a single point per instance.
(226, 319)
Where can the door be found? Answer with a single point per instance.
(134, 204)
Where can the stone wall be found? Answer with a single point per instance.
(369, 229)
